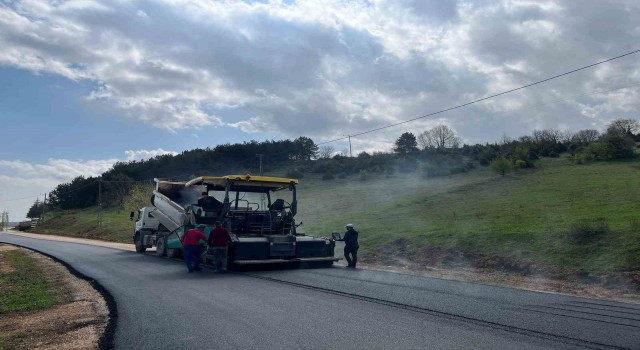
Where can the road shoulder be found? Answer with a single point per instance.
(49, 237)
(46, 306)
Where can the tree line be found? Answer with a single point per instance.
(438, 151)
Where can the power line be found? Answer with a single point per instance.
(481, 99)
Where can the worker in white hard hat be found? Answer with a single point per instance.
(351, 246)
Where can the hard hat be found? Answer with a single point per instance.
(350, 225)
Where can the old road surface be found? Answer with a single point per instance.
(160, 306)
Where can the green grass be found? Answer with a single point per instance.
(83, 223)
(25, 288)
(526, 215)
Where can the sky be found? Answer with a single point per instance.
(86, 83)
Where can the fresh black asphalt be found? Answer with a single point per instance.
(160, 306)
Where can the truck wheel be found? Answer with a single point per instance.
(173, 253)
(137, 240)
(161, 247)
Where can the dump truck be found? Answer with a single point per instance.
(258, 211)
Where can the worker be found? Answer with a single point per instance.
(208, 202)
(351, 246)
(191, 247)
(219, 239)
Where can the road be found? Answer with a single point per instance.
(160, 306)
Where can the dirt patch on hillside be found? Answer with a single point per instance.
(76, 322)
(401, 256)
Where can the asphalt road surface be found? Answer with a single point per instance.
(160, 306)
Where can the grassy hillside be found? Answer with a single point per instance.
(580, 217)
(576, 216)
(83, 223)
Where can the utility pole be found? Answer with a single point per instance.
(99, 203)
(44, 208)
(4, 221)
(350, 155)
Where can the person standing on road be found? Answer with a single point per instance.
(219, 239)
(191, 247)
(351, 246)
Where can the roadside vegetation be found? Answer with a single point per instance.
(22, 285)
(22, 288)
(551, 202)
(83, 223)
(43, 306)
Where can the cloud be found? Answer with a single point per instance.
(146, 154)
(22, 182)
(329, 68)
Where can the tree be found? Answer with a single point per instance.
(115, 188)
(585, 136)
(406, 144)
(546, 137)
(36, 210)
(624, 126)
(326, 152)
(618, 146)
(439, 137)
(304, 149)
(501, 165)
(138, 197)
(566, 136)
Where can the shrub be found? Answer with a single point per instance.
(586, 232)
(522, 157)
(501, 165)
(533, 155)
(294, 173)
(619, 146)
(520, 164)
(328, 176)
(579, 158)
(597, 150)
(433, 170)
(485, 161)
(554, 154)
(364, 175)
(390, 171)
(408, 164)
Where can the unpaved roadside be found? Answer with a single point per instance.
(76, 321)
(115, 245)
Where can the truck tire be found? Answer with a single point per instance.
(161, 247)
(137, 240)
(173, 253)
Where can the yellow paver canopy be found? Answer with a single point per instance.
(239, 181)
